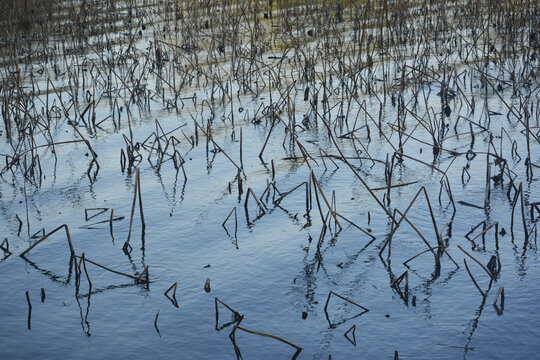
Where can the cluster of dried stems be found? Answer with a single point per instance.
(321, 65)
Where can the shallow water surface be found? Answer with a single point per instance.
(290, 269)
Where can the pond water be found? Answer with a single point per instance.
(296, 274)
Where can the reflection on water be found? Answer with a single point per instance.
(310, 161)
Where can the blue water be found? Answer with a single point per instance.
(269, 271)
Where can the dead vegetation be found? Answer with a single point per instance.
(328, 69)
